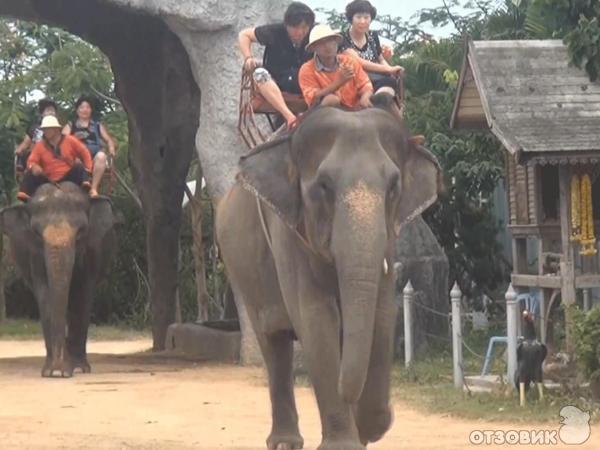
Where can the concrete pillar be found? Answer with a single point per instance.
(512, 313)
(455, 297)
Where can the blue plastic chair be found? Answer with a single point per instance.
(531, 303)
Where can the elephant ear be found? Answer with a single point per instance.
(14, 222)
(421, 181)
(271, 174)
(101, 218)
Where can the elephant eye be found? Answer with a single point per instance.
(324, 187)
(393, 185)
(81, 232)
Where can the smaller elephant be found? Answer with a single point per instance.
(62, 242)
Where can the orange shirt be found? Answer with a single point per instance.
(54, 167)
(313, 80)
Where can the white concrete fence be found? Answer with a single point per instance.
(512, 320)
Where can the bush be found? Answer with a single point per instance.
(586, 337)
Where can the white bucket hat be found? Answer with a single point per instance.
(320, 32)
(50, 122)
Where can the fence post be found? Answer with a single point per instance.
(455, 297)
(409, 293)
(511, 331)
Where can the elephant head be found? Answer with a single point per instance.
(48, 236)
(346, 182)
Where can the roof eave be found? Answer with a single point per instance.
(461, 84)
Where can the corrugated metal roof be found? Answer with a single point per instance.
(533, 100)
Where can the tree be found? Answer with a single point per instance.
(2, 295)
(573, 21)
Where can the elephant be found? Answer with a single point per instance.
(62, 242)
(307, 237)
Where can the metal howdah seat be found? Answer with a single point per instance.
(106, 184)
(252, 103)
(108, 179)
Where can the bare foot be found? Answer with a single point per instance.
(291, 121)
(93, 193)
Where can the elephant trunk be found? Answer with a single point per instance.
(59, 252)
(359, 244)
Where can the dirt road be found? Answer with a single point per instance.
(146, 402)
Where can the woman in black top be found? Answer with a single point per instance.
(93, 134)
(364, 44)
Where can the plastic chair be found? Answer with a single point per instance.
(490, 352)
(530, 302)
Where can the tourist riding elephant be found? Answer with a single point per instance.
(62, 242)
(307, 235)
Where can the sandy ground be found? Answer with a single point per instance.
(142, 401)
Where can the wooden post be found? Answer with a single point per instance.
(511, 331)
(567, 270)
(409, 293)
(587, 303)
(178, 316)
(455, 297)
(545, 295)
(520, 264)
(202, 297)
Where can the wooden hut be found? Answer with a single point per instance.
(546, 114)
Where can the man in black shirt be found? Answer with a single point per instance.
(285, 52)
(46, 107)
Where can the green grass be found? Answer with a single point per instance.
(21, 329)
(428, 386)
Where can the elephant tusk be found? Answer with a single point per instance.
(385, 266)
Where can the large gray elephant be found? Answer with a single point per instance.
(62, 242)
(307, 236)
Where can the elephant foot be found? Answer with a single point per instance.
(62, 369)
(372, 426)
(341, 444)
(81, 363)
(285, 441)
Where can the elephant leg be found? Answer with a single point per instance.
(42, 301)
(268, 317)
(278, 353)
(78, 319)
(320, 337)
(374, 413)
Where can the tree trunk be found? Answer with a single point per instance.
(202, 297)
(178, 315)
(2, 296)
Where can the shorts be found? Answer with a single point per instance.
(379, 80)
(285, 83)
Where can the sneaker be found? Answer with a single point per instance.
(24, 197)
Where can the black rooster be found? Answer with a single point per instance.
(530, 356)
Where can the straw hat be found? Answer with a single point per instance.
(50, 122)
(320, 32)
